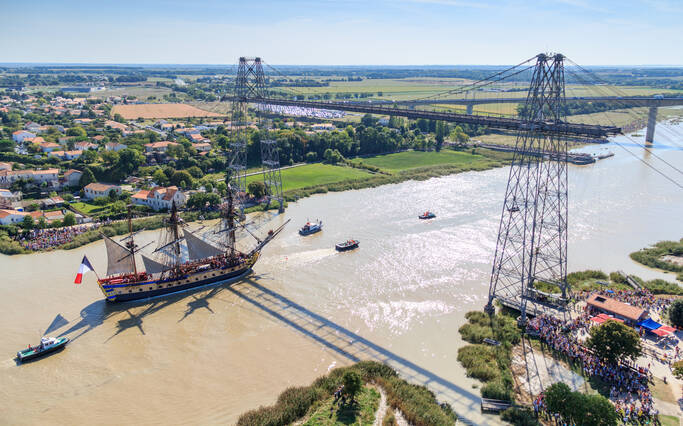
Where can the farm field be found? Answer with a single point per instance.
(314, 174)
(413, 159)
(132, 112)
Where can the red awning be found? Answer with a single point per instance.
(606, 317)
(667, 328)
(659, 332)
(598, 319)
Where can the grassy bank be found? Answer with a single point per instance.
(653, 256)
(404, 166)
(417, 403)
(490, 364)
(592, 280)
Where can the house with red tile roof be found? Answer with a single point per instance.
(159, 198)
(97, 190)
(158, 146)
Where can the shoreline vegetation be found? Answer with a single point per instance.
(368, 172)
(492, 364)
(304, 404)
(655, 257)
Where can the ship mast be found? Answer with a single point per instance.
(130, 245)
(230, 218)
(173, 222)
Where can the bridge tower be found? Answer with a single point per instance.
(272, 178)
(249, 84)
(532, 236)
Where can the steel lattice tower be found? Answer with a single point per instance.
(532, 237)
(249, 84)
(272, 178)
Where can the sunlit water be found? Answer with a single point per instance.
(207, 356)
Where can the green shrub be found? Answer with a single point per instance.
(519, 417)
(659, 286)
(497, 390)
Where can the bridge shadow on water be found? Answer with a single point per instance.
(354, 347)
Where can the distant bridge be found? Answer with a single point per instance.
(643, 101)
(494, 122)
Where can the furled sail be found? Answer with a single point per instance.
(119, 258)
(198, 248)
(152, 266)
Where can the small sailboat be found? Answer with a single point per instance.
(427, 215)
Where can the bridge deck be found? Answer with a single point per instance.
(503, 123)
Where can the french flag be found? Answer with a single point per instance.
(85, 267)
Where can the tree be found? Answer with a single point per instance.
(77, 131)
(6, 145)
(440, 134)
(311, 157)
(557, 397)
(257, 189)
(113, 196)
(86, 178)
(368, 120)
(42, 222)
(196, 172)
(614, 341)
(676, 313)
(27, 223)
(69, 219)
(459, 136)
(181, 178)
(160, 177)
(596, 410)
(352, 384)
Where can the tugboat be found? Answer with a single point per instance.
(183, 259)
(347, 245)
(311, 228)
(47, 345)
(427, 215)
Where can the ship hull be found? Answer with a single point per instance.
(156, 288)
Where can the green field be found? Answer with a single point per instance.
(413, 159)
(88, 208)
(314, 174)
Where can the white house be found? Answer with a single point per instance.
(8, 177)
(114, 146)
(97, 190)
(7, 198)
(160, 198)
(20, 135)
(72, 177)
(8, 217)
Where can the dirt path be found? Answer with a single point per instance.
(382, 410)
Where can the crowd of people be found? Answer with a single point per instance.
(629, 384)
(44, 239)
(641, 298)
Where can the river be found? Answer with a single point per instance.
(205, 357)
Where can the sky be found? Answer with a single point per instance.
(342, 32)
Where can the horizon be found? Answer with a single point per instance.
(343, 33)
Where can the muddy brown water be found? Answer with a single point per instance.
(209, 355)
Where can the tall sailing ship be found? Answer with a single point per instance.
(182, 260)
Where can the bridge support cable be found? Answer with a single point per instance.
(531, 247)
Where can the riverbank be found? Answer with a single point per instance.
(401, 167)
(665, 255)
(362, 173)
(9, 246)
(316, 404)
